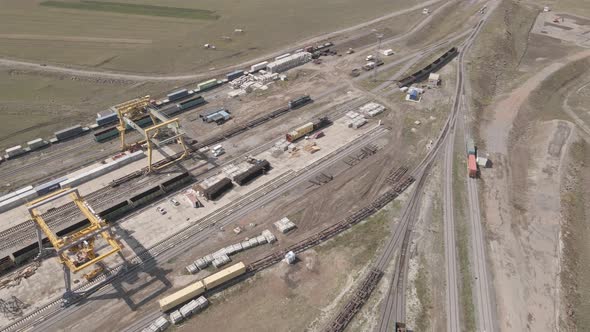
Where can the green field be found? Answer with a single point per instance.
(127, 8)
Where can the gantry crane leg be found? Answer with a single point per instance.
(39, 239)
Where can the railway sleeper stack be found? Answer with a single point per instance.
(356, 302)
(221, 256)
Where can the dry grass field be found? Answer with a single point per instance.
(115, 38)
(141, 37)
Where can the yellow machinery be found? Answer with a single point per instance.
(75, 251)
(129, 111)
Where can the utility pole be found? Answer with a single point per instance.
(379, 37)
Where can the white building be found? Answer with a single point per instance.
(288, 62)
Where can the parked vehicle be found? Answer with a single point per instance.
(161, 210)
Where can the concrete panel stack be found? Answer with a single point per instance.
(237, 83)
(221, 260)
(284, 225)
(221, 256)
(160, 324)
(176, 317)
(371, 109)
(194, 307)
(355, 120)
(270, 237)
(187, 310)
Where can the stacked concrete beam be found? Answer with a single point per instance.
(221, 256)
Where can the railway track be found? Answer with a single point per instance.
(393, 308)
(68, 214)
(191, 235)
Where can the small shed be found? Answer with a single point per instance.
(433, 80)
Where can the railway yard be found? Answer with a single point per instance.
(416, 172)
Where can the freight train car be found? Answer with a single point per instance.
(261, 167)
(434, 66)
(215, 191)
(207, 85)
(234, 74)
(69, 132)
(298, 102)
(193, 102)
(112, 132)
(182, 296)
(225, 275)
(299, 132)
(106, 118)
(106, 135)
(197, 288)
(472, 166)
(176, 95)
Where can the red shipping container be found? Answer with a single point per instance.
(472, 166)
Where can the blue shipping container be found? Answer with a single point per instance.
(101, 121)
(234, 74)
(69, 132)
(177, 94)
(50, 186)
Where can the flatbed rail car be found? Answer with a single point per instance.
(424, 72)
(112, 132)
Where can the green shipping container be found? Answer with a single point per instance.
(470, 147)
(207, 84)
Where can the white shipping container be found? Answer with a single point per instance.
(258, 66)
(387, 52)
(14, 151)
(36, 143)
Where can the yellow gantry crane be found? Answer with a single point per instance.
(75, 251)
(130, 111)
